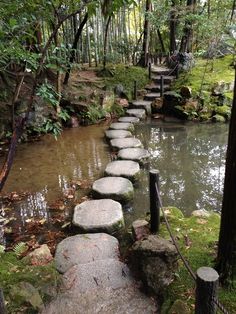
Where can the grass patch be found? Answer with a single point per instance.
(197, 238)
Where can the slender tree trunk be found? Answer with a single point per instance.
(74, 46)
(146, 34)
(172, 28)
(105, 42)
(187, 31)
(161, 41)
(232, 12)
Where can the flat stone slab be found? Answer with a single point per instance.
(142, 104)
(99, 216)
(123, 168)
(140, 155)
(117, 134)
(125, 143)
(129, 119)
(138, 113)
(85, 248)
(152, 96)
(116, 188)
(122, 126)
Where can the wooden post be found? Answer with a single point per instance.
(2, 303)
(149, 70)
(177, 71)
(206, 290)
(160, 58)
(135, 90)
(162, 86)
(154, 200)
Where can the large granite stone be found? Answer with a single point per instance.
(99, 216)
(129, 119)
(138, 113)
(136, 154)
(85, 248)
(117, 134)
(116, 188)
(123, 168)
(122, 126)
(125, 143)
(142, 104)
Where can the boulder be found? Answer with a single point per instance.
(156, 261)
(202, 213)
(219, 88)
(140, 229)
(40, 256)
(186, 91)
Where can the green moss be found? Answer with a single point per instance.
(218, 118)
(197, 239)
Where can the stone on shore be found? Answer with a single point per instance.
(111, 134)
(129, 119)
(116, 188)
(140, 155)
(140, 229)
(122, 126)
(125, 143)
(123, 168)
(99, 216)
(85, 248)
(138, 113)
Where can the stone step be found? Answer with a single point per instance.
(138, 113)
(142, 104)
(161, 70)
(129, 119)
(136, 154)
(117, 188)
(155, 88)
(122, 126)
(103, 215)
(123, 168)
(110, 134)
(167, 79)
(127, 142)
(85, 248)
(151, 96)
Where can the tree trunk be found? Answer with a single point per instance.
(72, 55)
(105, 42)
(146, 34)
(226, 259)
(185, 45)
(161, 41)
(172, 28)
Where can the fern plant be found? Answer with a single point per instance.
(20, 248)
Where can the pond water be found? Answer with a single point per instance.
(190, 158)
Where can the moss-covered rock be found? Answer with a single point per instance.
(218, 118)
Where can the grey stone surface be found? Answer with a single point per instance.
(129, 119)
(117, 134)
(142, 104)
(140, 229)
(85, 248)
(116, 188)
(151, 96)
(138, 113)
(122, 126)
(99, 216)
(123, 168)
(125, 143)
(140, 155)
(202, 213)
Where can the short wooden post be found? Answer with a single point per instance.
(135, 90)
(150, 70)
(154, 200)
(206, 290)
(162, 86)
(160, 58)
(177, 71)
(2, 303)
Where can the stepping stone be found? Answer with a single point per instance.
(122, 126)
(85, 248)
(142, 104)
(116, 188)
(129, 119)
(117, 134)
(151, 96)
(161, 70)
(154, 88)
(136, 154)
(99, 216)
(123, 168)
(167, 79)
(138, 113)
(125, 143)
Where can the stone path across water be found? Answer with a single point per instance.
(123, 168)
(140, 155)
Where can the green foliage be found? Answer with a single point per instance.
(48, 94)
(116, 110)
(94, 113)
(20, 248)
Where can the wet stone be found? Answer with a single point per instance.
(122, 126)
(123, 168)
(85, 248)
(142, 104)
(99, 216)
(116, 188)
(125, 143)
(129, 119)
(111, 134)
(140, 155)
(138, 113)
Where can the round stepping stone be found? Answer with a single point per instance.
(129, 119)
(138, 113)
(125, 143)
(122, 126)
(136, 154)
(116, 188)
(99, 216)
(85, 248)
(123, 168)
(117, 134)
(142, 104)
